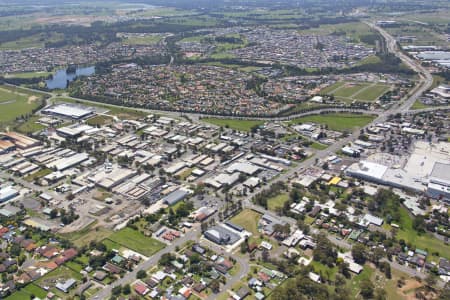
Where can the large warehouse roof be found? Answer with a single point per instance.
(68, 110)
(367, 169)
(440, 173)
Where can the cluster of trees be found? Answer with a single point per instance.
(301, 288)
(182, 211)
(66, 217)
(389, 63)
(386, 203)
(324, 251)
(274, 190)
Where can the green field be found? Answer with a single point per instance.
(331, 88)
(30, 126)
(234, 67)
(423, 241)
(145, 40)
(99, 120)
(353, 30)
(355, 283)
(320, 268)
(134, 240)
(248, 219)
(38, 174)
(240, 125)
(318, 146)
(372, 93)
(16, 102)
(277, 201)
(373, 59)
(26, 293)
(27, 75)
(87, 234)
(349, 91)
(419, 105)
(337, 121)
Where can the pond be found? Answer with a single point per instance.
(61, 78)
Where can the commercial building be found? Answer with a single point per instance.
(6, 146)
(439, 183)
(73, 131)
(7, 193)
(111, 176)
(21, 141)
(221, 236)
(65, 110)
(68, 162)
(175, 197)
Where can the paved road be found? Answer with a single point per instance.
(426, 79)
(244, 269)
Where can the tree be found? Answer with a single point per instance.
(53, 213)
(215, 286)
(117, 290)
(141, 274)
(126, 289)
(265, 255)
(244, 248)
(430, 281)
(359, 253)
(324, 251)
(419, 224)
(204, 226)
(378, 254)
(380, 294)
(367, 288)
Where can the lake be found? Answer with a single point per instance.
(60, 78)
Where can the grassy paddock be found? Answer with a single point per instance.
(247, 219)
(423, 241)
(86, 235)
(277, 201)
(136, 241)
(240, 125)
(28, 75)
(337, 121)
(16, 102)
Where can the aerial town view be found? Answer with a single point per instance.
(226, 149)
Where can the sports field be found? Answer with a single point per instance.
(350, 91)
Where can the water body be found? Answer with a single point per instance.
(60, 78)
